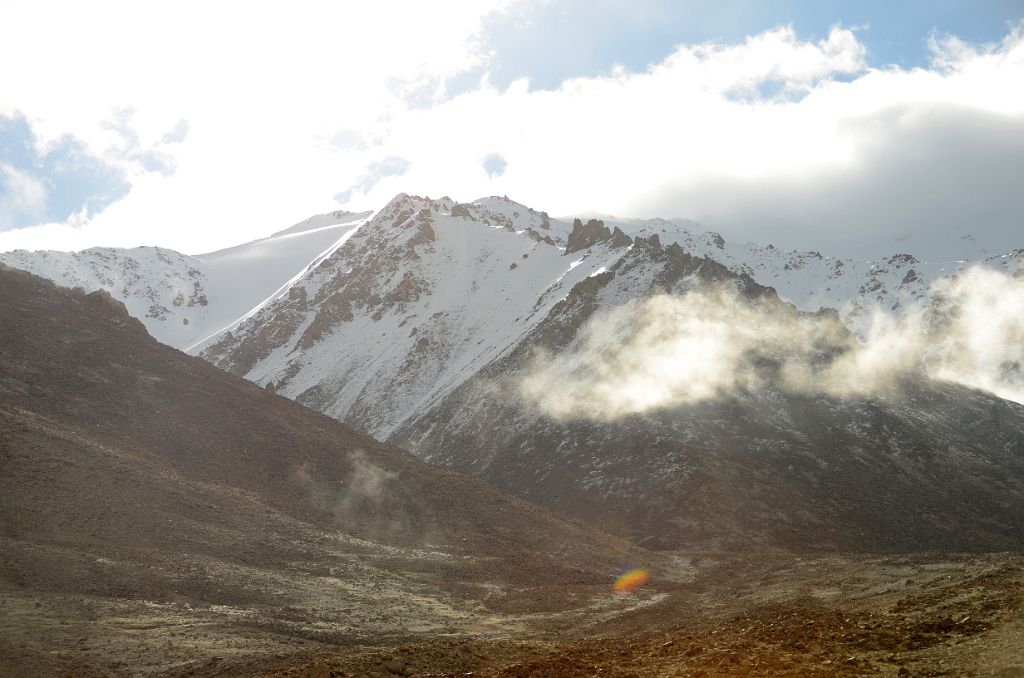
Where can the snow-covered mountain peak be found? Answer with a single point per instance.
(431, 291)
(1011, 263)
(425, 294)
(403, 200)
(507, 211)
(405, 211)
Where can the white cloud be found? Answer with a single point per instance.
(776, 55)
(494, 164)
(264, 89)
(839, 152)
(287, 109)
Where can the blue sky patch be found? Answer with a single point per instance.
(494, 164)
(550, 42)
(391, 166)
(67, 177)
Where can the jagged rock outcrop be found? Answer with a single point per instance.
(593, 232)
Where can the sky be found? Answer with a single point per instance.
(860, 127)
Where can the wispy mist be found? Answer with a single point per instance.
(364, 488)
(668, 351)
(982, 342)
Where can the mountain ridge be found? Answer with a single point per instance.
(421, 324)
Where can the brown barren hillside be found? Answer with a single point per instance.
(137, 483)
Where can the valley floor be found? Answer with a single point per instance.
(702, 615)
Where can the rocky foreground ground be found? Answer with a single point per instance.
(913, 616)
(765, 615)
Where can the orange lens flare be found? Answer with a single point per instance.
(631, 580)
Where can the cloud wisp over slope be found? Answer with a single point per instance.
(669, 351)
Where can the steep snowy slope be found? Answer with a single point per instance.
(243, 277)
(183, 299)
(412, 305)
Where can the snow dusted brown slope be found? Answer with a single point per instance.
(922, 465)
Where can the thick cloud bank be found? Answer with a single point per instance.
(775, 139)
(772, 137)
(670, 351)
